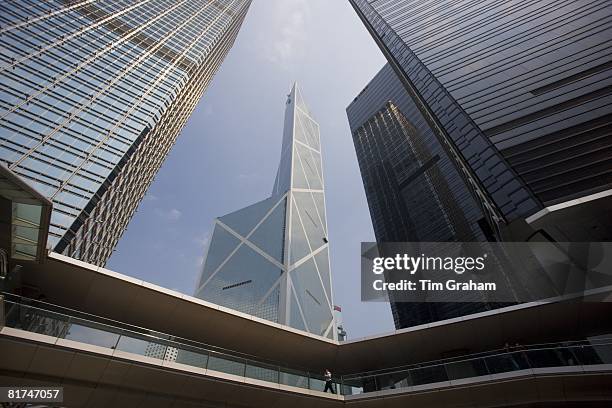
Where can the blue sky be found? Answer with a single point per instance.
(227, 155)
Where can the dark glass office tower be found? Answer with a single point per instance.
(94, 94)
(414, 191)
(519, 95)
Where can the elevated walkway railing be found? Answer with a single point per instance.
(99, 332)
(511, 358)
(68, 324)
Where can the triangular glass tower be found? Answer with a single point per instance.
(271, 259)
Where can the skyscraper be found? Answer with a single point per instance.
(94, 94)
(271, 259)
(414, 191)
(519, 96)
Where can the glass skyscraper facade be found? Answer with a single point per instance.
(519, 94)
(414, 190)
(271, 259)
(94, 94)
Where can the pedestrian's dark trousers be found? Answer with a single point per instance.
(329, 386)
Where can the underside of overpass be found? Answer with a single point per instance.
(83, 287)
(64, 321)
(94, 377)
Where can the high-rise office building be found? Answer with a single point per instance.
(414, 191)
(94, 94)
(519, 96)
(271, 259)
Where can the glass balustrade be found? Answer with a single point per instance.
(163, 347)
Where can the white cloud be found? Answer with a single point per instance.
(170, 215)
(247, 176)
(288, 24)
(174, 214)
(202, 239)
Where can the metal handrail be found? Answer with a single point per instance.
(120, 331)
(524, 350)
(297, 377)
(142, 331)
(483, 355)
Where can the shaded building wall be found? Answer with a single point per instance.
(521, 91)
(519, 96)
(414, 190)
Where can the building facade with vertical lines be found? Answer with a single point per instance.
(414, 191)
(94, 94)
(519, 94)
(271, 259)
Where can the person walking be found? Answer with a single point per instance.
(328, 382)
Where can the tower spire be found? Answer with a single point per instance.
(271, 259)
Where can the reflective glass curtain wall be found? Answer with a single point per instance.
(414, 191)
(271, 259)
(94, 94)
(519, 92)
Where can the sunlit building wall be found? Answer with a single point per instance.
(271, 259)
(93, 96)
